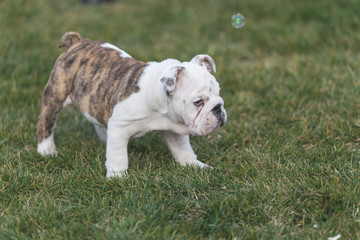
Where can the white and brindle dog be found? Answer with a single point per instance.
(125, 98)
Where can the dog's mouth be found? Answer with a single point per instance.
(207, 123)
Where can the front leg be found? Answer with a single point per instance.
(181, 149)
(116, 151)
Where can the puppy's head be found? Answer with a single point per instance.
(194, 95)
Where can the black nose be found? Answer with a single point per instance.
(217, 109)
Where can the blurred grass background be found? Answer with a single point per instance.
(286, 165)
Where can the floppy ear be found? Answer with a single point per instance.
(156, 96)
(206, 61)
(170, 78)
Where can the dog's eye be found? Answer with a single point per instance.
(199, 103)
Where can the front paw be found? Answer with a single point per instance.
(116, 173)
(197, 163)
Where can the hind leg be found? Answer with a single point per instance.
(45, 128)
(55, 98)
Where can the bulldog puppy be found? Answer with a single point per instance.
(124, 98)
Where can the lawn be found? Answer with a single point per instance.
(286, 165)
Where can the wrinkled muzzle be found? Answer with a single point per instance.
(210, 117)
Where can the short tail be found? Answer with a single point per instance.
(68, 39)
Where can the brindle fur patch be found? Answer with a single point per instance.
(95, 78)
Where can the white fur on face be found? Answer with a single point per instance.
(204, 122)
(123, 54)
(200, 84)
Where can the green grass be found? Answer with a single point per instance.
(286, 165)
